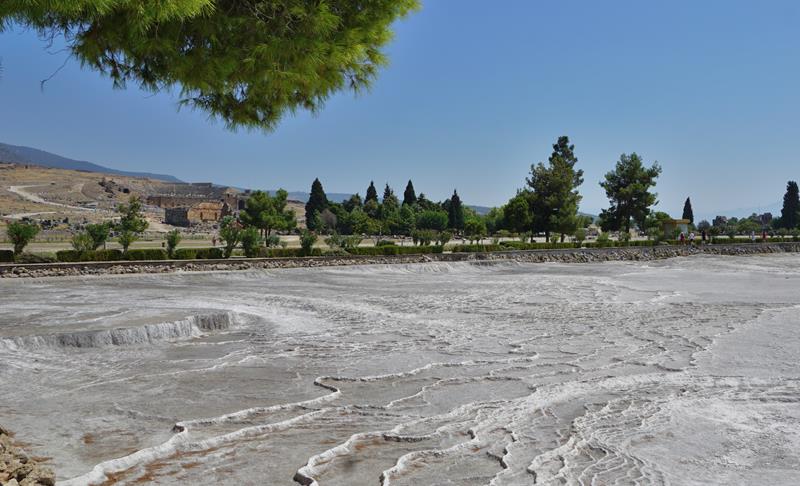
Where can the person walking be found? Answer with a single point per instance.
(703, 236)
(682, 238)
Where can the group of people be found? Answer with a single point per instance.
(683, 238)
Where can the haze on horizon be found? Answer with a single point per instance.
(471, 98)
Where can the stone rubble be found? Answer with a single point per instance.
(18, 469)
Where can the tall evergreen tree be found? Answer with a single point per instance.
(372, 193)
(790, 214)
(687, 211)
(554, 195)
(317, 202)
(628, 190)
(455, 212)
(388, 192)
(409, 196)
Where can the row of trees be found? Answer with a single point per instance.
(548, 204)
(414, 216)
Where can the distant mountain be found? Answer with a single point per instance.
(774, 208)
(27, 155)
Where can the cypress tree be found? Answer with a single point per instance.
(388, 193)
(455, 212)
(790, 214)
(372, 193)
(687, 211)
(317, 202)
(409, 196)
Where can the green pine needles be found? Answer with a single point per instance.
(245, 62)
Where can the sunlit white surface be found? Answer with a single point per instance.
(682, 371)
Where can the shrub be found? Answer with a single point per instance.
(307, 240)
(287, 252)
(126, 239)
(477, 248)
(21, 234)
(199, 254)
(395, 250)
(99, 233)
(209, 253)
(31, 258)
(385, 243)
(272, 241)
(173, 238)
(82, 242)
(146, 254)
(251, 241)
(88, 256)
(6, 256)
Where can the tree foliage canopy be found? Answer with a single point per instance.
(246, 62)
(628, 190)
(688, 213)
(268, 213)
(790, 214)
(554, 194)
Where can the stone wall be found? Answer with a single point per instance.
(583, 255)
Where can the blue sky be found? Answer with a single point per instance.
(475, 93)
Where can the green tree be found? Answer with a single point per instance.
(131, 223)
(455, 212)
(372, 193)
(474, 228)
(82, 242)
(230, 232)
(251, 241)
(432, 220)
(554, 194)
(126, 239)
(408, 220)
(517, 212)
(268, 213)
(389, 205)
(628, 190)
(409, 196)
(790, 214)
(353, 202)
(495, 220)
(173, 240)
(247, 63)
(99, 233)
(317, 202)
(307, 240)
(687, 211)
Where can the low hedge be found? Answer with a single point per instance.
(34, 258)
(6, 256)
(146, 254)
(520, 245)
(478, 248)
(619, 244)
(287, 252)
(395, 250)
(199, 254)
(88, 256)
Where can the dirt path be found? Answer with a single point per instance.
(21, 192)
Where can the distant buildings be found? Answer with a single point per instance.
(196, 203)
(673, 227)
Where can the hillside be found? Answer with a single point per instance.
(27, 155)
